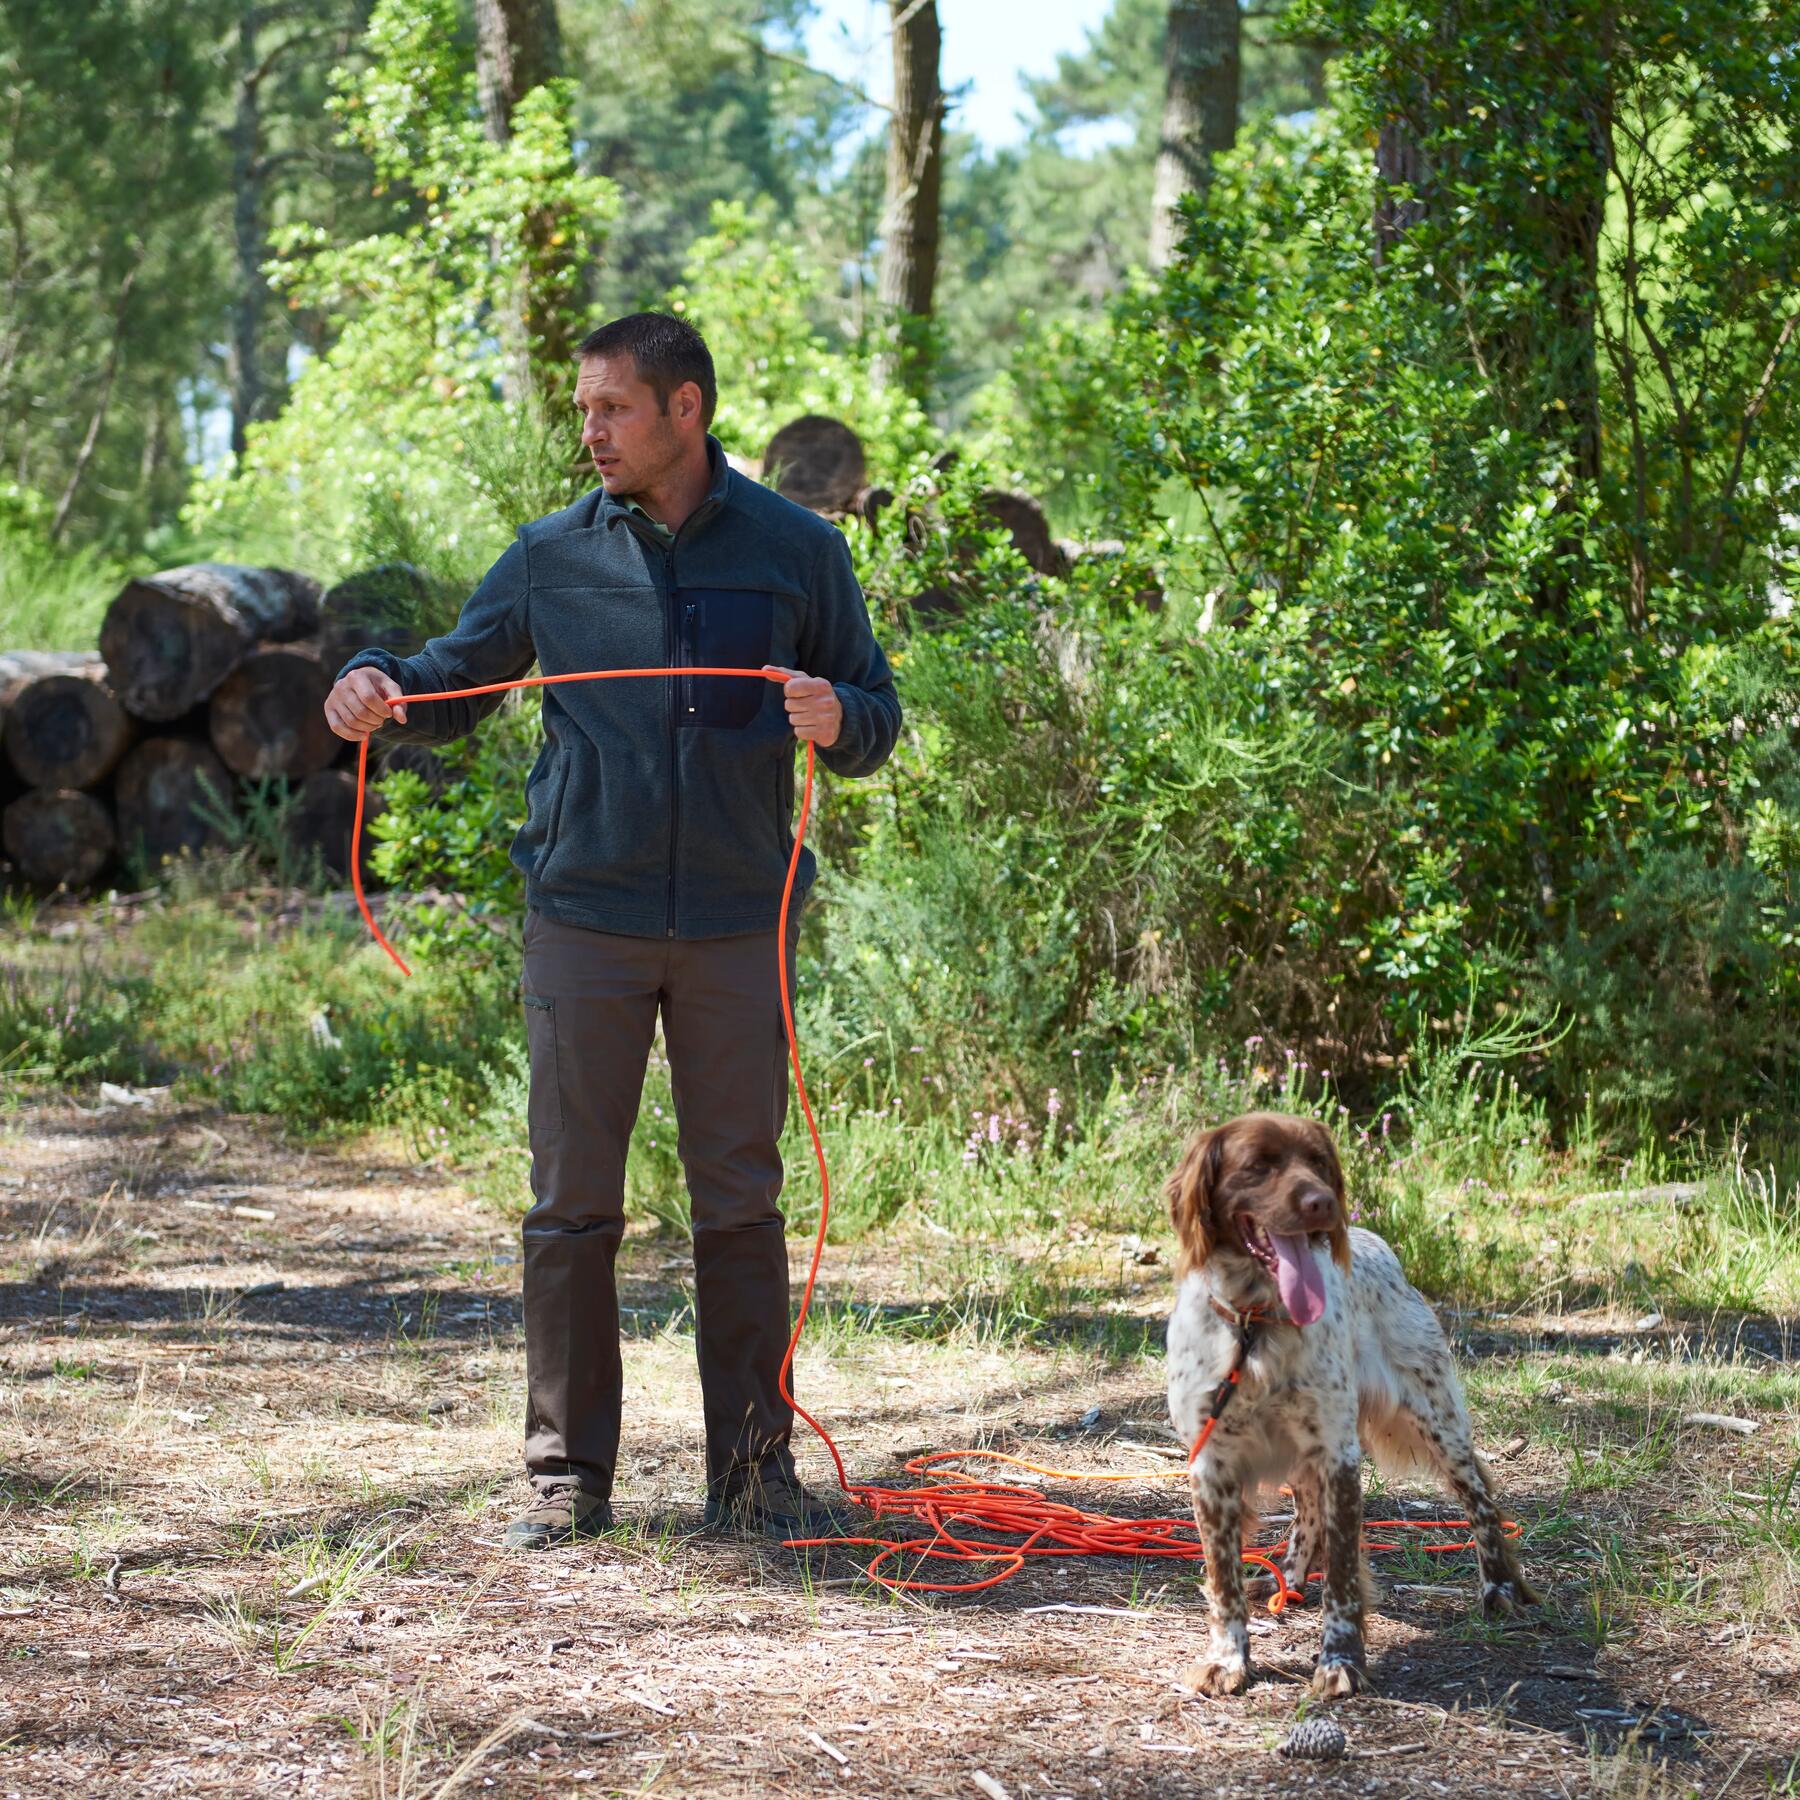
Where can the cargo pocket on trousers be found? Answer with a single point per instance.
(543, 1110)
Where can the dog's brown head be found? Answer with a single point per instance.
(1267, 1188)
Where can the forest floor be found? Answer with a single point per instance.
(260, 1435)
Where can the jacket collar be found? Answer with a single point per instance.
(718, 492)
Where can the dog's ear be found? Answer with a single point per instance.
(1190, 1195)
(1340, 1226)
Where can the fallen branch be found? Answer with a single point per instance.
(1722, 1422)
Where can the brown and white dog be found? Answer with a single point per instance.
(1344, 1355)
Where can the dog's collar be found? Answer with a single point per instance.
(1251, 1315)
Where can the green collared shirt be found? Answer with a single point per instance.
(661, 530)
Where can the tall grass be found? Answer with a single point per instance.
(53, 596)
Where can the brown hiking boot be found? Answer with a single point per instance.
(559, 1515)
(776, 1506)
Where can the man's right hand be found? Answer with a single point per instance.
(354, 707)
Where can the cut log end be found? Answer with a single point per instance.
(384, 607)
(321, 818)
(268, 715)
(66, 730)
(162, 801)
(817, 462)
(58, 837)
(1025, 523)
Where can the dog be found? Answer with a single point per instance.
(1339, 1354)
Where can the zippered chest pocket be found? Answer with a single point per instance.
(723, 628)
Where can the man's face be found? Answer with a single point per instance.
(631, 440)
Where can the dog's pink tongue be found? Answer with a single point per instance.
(1299, 1277)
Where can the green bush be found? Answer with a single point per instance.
(63, 1026)
(1552, 698)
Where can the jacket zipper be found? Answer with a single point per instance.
(674, 690)
(671, 635)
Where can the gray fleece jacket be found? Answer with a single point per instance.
(662, 806)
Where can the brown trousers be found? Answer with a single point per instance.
(591, 1000)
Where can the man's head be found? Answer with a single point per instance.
(646, 395)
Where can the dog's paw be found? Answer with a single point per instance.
(1505, 1599)
(1334, 1678)
(1218, 1675)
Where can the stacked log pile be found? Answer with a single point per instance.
(206, 676)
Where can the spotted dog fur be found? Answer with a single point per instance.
(1251, 1201)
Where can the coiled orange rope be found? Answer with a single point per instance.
(1014, 1522)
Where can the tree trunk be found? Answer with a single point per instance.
(66, 729)
(518, 47)
(1399, 165)
(170, 639)
(1554, 231)
(268, 715)
(1572, 226)
(58, 836)
(254, 395)
(108, 375)
(1200, 111)
(915, 163)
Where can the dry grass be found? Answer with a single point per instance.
(255, 1469)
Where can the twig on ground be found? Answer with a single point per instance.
(830, 1750)
(1722, 1422)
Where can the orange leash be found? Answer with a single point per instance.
(999, 1524)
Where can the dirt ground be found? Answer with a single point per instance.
(260, 1435)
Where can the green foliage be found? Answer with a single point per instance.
(1468, 707)
(1096, 830)
(690, 102)
(461, 841)
(52, 596)
(113, 277)
(378, 428)
(747, 289)
(63, 1025)
(1421, 507)
(318, 1027)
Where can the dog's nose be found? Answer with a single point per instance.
(1316, 1207)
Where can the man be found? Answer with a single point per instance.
(655, 846)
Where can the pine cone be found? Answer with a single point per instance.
(1316, 1740)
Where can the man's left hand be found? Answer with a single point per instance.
(813, 708)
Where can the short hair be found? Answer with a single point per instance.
(667, 352)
